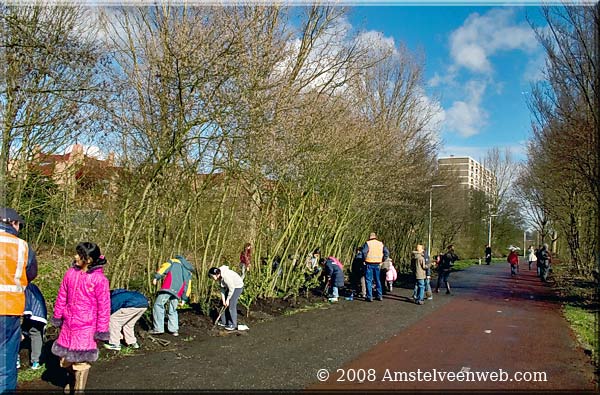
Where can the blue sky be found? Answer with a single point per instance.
(479, 64)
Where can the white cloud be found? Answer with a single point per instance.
(482, 36)
(468, 117)
(376, 41)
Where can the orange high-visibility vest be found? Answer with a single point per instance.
(375, 254)
(14, 253)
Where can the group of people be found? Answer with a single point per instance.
(543, 259)
(86, 311)
(540, 256)
(372, 267)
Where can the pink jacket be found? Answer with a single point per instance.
(391, 274)
(82, 309)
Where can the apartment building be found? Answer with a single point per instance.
(470, 173)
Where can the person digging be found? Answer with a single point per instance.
(232, 286)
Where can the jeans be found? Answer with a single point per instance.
(513, 270)
(335, 292)
(10, 339)
(158, 313)
(371, 274)
(420, 290)
(230, 316)
(428, 285)
(443, 276)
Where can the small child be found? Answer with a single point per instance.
(34, 322)
(82, 312)
(126, 308)
(335, 276)
(390, 276)
(513, 259)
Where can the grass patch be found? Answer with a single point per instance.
(304, 309)
(583, 323)
(27, 374)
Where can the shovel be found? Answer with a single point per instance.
(218, 317)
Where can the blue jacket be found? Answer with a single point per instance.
(121, 298)
(35, 304)
(337, 276)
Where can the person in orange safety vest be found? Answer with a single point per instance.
(18, 266)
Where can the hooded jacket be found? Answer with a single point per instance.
(82, 311)
(420, 265)
(177, 275)
(391, 274)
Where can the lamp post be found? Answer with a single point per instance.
(490, 230)
(430, 206)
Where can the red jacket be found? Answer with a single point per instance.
(513, 258)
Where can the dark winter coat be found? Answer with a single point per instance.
(335, 273)
(448, 260)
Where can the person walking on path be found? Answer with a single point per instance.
(390, 276)
(375, 253)
(531, 257)
(245, 259)
(383, 268)
(357, 277)
(420, 269)
(544, 260)
(126, 308)
(335, 276)
(35, 318)
(232, 286)
(513, 259)
(82, 312)
(446, 263)
(176, 274)
(488, 254)
(19, 267)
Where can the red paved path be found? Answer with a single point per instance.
(528, 334)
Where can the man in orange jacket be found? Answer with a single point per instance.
(18, 266)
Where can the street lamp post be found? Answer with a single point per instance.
(490, 230)
(430, 207)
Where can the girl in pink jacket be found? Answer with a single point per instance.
(82, 312)
(390, 276)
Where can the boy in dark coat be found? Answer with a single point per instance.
(335, 277)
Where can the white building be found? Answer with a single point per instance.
(469, 172)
